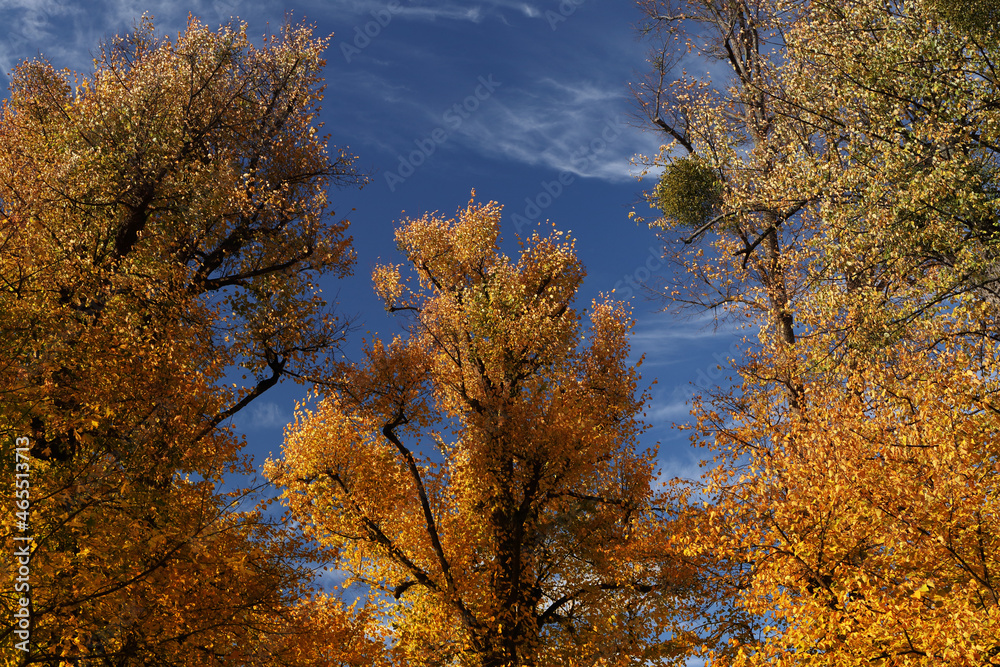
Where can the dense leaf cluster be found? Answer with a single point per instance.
(855, 482)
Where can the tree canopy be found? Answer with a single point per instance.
(481, 475)
(162, 221)
(854, 480)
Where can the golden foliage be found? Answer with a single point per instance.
(853, 513)
(160, 220)
(480, 476)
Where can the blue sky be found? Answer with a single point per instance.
(524, 101)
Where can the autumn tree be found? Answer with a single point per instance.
(856, 464)
(730, 206)
(889, 557)
(730, 221)
(816, 126)
(163, 220)
(479, 477)
(868, 520)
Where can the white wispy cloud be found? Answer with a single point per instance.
(667, 339)
(31, 24)
(687, 467)
(331, 580)
(445, 12)
(68, 33)
(529, 10)
(263, 414)
(573, 125)
(570, 116)
(668, 411)
(433, 10)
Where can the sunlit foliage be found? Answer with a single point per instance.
(480, 475)
(162, 219)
